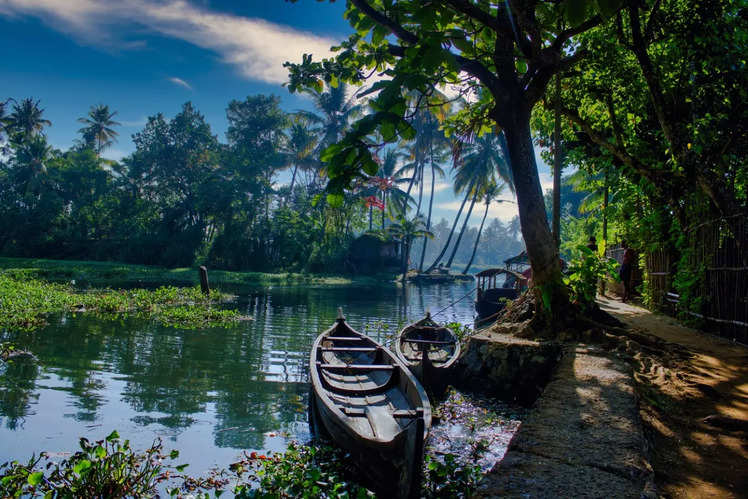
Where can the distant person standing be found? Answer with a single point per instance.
(592, 244)
(625, 272)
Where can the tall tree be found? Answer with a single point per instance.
(508, 51)
(298, 148)
(479, 163)
(408, 230)
(489, 195)
(99, 132)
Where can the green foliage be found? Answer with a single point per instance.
(105, 468)
(301, 471)
(585, 271)
(26, 301)
(448, 478)
(462, 331)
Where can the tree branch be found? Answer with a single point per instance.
(473, 11)
(568, 33)
(381, 19)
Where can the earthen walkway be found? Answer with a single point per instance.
(583, 438)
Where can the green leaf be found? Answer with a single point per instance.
(81, 466)
(521, 66)
(112, 436)
(181, 467)
(576, 11)
(100, 452)
(608, 8)
(35, 478)
(335, 200)
(174, 454)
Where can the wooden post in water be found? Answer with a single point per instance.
(204, 280)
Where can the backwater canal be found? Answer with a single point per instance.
(210, 393)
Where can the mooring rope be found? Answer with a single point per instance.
(454, 303)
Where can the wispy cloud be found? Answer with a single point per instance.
(257, 48)
(134, 123)
(180, 82)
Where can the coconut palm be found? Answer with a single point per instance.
(31, 160)
(481, 161)
(98, 132)
(25, 120)
(335, 111)
(489, 195)
(407, 231)
(298, 149)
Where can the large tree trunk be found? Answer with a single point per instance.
(539, 242)
(477, 240)
(428, 220)
(451, 232)
(462, 231)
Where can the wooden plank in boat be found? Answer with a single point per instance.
(400, 413)
(342, 338)
(349, 349)
(357, 367)
(428, 342)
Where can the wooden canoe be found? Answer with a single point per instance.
(371, 405)
(430, 351)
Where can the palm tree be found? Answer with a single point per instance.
(481, 161)
(98, 132)
(406, 231)
(26, 120)
(299, 145)
(489, 194)
(514, 228)
(336, 111)
(32, 156)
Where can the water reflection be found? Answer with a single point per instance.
(211, 391)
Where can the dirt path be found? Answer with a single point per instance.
(693, 390)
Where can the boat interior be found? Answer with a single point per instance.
(366, 385)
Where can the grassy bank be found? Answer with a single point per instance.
(109, 274)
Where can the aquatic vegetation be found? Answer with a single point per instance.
(105, 468)
(449, 478)
(27, 301)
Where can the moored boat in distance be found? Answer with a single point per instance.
(430, 351)
(369, 403)
(492, 296)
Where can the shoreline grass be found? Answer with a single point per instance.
(113, 274)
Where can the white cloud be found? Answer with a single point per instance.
(180, 82)
(257, 48)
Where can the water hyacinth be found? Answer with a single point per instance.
(27, 301)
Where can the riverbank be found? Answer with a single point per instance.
(652, 408)
(115, 275)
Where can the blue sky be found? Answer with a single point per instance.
(142, 57)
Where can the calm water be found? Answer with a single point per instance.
(209, 393)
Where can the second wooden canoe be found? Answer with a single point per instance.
(430, 351)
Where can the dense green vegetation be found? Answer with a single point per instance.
(26, 301)
(185, 198)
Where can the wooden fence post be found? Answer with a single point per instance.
(204, 280)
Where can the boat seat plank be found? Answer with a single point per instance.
(400, 413)
(343, 338)
(428, 342)
(356, 367)
(349, 349)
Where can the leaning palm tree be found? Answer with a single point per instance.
(98, 132)
(407, 231)
(25, 120)
(489, 195)
(482, 161)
